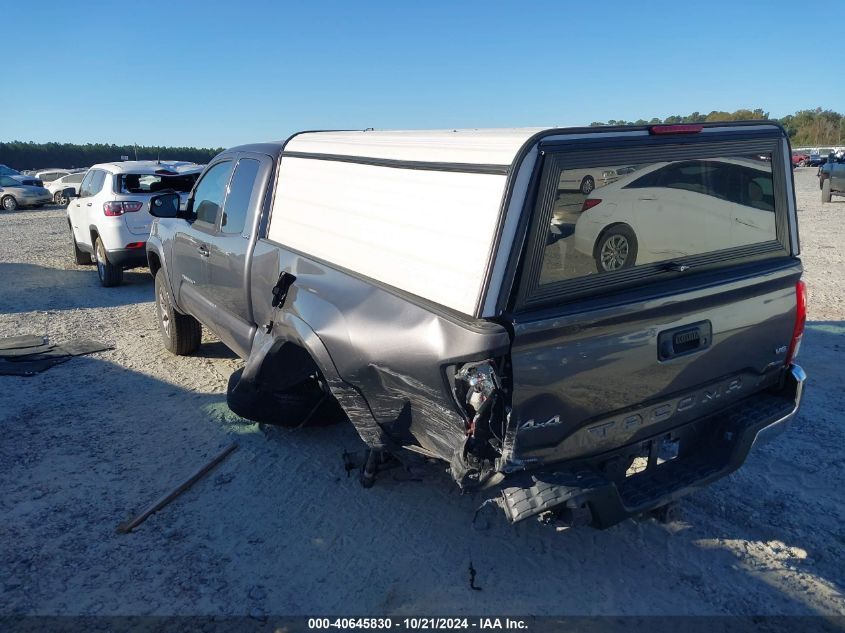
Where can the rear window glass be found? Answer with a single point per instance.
(610, 218)
(155, 183)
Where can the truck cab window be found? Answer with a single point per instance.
(240, 193)
(210, 192)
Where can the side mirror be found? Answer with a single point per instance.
(166, 205)
(69, 192)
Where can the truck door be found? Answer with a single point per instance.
(190, 278)
(229, 250)
(602, 360)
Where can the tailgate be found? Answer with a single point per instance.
(139, 222)
(585, 383)
(656, 299)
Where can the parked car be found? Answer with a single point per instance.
(404, 280)
(14, 194)
(834, 182)
(30, 181)
(49, 175)
(800, 160)
(585, 180)
(109, 216)
(58, 187)
(729, 201)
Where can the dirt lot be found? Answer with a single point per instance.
(280, 529)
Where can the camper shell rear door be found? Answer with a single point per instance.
(696, 321)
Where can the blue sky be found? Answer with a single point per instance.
(221, 73)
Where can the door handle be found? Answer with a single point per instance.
(647, 197)
(89, 204)
(203, 250)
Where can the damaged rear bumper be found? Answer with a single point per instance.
(710, 448)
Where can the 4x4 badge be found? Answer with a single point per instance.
(531, 424)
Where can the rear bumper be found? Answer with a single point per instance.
(710, 448)
(128, 257)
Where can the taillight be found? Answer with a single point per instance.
(675, 129)
(115, 208)
(134, 245)
(589, 203)
(800, 321)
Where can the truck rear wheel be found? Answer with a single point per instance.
(826, 191)
(181, 333)
(306, 403)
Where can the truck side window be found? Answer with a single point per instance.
(240, 193)
(209, 194)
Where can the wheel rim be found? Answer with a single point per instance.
(9, 204)
(587, 187)
(164, 314)
(614, 252)
(57, 198)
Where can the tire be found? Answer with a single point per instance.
(587, 185)
(826, 191)
(109, 274)
(80, 257)
(9, 203)
(303, 404)
(615, 249)
(181, 333)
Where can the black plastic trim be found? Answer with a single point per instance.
(466, 168)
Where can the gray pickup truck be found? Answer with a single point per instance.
(832, 177)
(583, 356)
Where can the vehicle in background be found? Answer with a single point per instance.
(58, 187)
(800, 160)
(109, 217)
(30, 181)
(49, 175)
(406, 281)
(585, 180)
(15, 194)
(633, 221)
(815, 160)
(833, 184)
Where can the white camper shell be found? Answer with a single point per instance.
(429, 231)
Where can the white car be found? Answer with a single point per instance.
(109, 217)
(49, 175)
(671, 210)
(69, 181)
(587, 179)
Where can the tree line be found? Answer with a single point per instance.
(26, 155)
(806, 128)
(815, 128)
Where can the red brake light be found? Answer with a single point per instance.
(589, 203)
(800, 321)
(675, 129)
(134, 245)
(115, 208)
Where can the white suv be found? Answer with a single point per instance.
(109, 217)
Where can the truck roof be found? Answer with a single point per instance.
(470, 146)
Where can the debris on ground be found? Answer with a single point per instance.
(29, 354)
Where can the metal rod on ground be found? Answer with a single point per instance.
(128, 526)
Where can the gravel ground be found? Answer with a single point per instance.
(278, 528)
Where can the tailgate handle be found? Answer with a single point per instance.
(684, 340)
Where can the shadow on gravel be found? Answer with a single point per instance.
(214, 350)
(30, 287)
(280, 528)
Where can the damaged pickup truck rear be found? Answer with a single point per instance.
(584, 356)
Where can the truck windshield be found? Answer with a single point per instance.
(153, 183)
